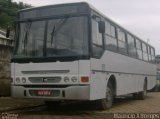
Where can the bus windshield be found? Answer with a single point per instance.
(66, 36)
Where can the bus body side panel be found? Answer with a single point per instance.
(84, 68)
(129, 73)
(98, 84)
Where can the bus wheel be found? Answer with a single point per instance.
(142, 95)
(52, 104)
(108, 101)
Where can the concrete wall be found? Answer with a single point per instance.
(6, 47)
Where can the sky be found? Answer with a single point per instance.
(140, 17)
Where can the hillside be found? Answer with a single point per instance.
(8, 10)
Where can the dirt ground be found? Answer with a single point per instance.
(35, 109)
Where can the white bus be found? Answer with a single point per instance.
(72, 52)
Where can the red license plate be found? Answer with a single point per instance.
(44, 93)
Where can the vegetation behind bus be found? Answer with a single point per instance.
(8, 12)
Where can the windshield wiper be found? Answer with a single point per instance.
(26, 31)
(59, 26)
(52, 34)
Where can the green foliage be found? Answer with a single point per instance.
(8, 11)
(5, 19)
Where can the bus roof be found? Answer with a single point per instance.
(55, 5)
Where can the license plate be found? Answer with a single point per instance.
(44, 93)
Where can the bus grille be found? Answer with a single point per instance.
(44, 79)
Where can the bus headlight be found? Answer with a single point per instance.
(17, 79)
(74, 79)
(66, 79)
(23, 80)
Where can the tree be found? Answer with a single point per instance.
(8, 11)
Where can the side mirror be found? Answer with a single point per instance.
(101, 25)
(8, 32)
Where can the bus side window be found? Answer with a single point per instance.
(122, 45)
(97, 41)
(96, 36)
(110, 40)
(131, 46)
(149, 54)
(153, 55)
(139, 49)
(145, 54)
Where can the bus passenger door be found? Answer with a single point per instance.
(98, 86)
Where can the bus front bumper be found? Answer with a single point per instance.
(68, 93)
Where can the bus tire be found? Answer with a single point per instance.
(52, 104)
(143, 94)
(106, 103)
